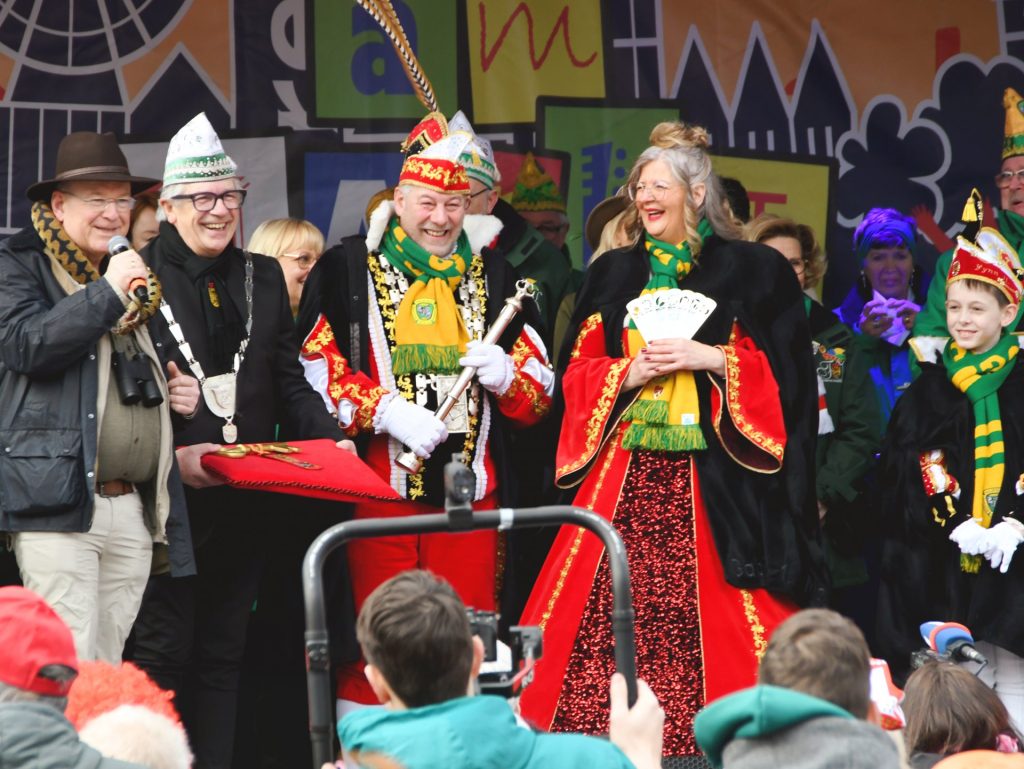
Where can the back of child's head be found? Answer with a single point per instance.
(949, 710)
(821, 653)
(414, 630)
(981, 285)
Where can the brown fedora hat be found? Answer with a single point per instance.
(85, 156)
(600, 215)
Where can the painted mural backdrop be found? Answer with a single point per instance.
(823, 110)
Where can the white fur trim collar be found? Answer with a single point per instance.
(928, 349)
(481, 229)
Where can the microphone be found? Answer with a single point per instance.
(952, 640)
(118, 245)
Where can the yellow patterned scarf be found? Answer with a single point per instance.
(979, 377)
(666, 416)
(62, 249)
(430, 335)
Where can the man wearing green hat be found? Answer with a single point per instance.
(1009, 217)
(532, 254)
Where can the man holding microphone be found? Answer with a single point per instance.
(89, 485)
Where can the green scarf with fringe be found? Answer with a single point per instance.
(666, 416)
(979, 376)
(430, 335)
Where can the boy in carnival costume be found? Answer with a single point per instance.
(953, 465)
(389, 320)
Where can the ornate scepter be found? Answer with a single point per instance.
(407, 460)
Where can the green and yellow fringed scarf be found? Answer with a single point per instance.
(60, 248)
(666, 415)
(979, 376)
(430, 335)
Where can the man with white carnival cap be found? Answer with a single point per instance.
(384, 362)
(227, 320)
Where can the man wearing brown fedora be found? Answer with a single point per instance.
(89, 485)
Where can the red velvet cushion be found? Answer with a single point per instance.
(340, 475)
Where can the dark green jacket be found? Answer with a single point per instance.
(535, 258)
(846, 455)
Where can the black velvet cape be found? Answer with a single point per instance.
(765, 526)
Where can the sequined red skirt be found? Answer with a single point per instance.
(696, 636)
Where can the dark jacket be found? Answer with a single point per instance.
(48, 391)
(921, 575)
(765, 525)
(35, 735)
(274, 400)
(272, 389)
(535, 257)
(846, 456)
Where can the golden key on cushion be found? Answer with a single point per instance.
(277, 451)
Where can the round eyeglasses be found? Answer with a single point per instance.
(207, 201)
(656, 190)
(100, 204)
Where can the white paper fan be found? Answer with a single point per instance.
(672, 314)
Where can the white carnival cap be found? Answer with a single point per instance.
(195, 154)
(478, 156)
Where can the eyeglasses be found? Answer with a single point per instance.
(1005, 178)
(207, 201)
(656, 190)
(100, 204)
(305, 261)
(484, 191)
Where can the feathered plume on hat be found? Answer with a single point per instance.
(989, 258)
(385, 15)
(535, 190)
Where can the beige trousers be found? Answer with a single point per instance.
(95, 580)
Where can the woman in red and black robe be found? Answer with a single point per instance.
(719, 519)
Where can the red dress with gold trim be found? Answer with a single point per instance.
(698, 636)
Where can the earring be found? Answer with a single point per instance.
(863, 281)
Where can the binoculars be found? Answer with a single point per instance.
(135, 379)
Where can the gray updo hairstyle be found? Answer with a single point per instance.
(683, 148)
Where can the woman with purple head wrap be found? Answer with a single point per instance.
(883, 305)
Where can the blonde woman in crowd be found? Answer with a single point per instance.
(296, 244)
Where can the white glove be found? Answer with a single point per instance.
(971, 536)
(413, 425)
(494, 368)
(1003, 539)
